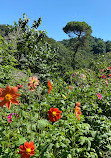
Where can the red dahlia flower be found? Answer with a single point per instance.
(54, 114)
(27, 150)
(19, 86)
(8, 96)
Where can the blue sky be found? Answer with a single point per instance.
(57, 13)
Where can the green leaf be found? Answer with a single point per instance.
(21, 141)
(42, 123)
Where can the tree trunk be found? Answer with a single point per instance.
(73, 60)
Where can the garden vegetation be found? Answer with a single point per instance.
(55, 97)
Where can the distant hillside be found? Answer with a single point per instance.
(65, 49)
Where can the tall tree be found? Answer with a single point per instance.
(82, 31)
(98, 46)
(4, 30)
(108, 46)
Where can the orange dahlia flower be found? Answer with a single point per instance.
(8, 96)
(1, 89)
(54, 114)
(70, 87)
(77, 112)
(27, 150)
(33, 82)
(50, 86)
(78, 104)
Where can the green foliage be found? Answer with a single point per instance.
(4, 30)
(63, 56)
(30, 50)
(68, 137)
(6, 73)
(77, 28)
(82, 30)
(6, 53)
(108, 46)
(98, 46)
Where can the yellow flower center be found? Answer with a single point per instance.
(28, 150)
(84, 76)
(8, 97)
(53, 113)
(33, 81)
